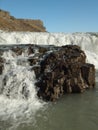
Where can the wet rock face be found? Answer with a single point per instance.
(1, 65)
(88, 74)
(58, 70)
(65, 71)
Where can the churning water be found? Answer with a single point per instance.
(20, 108)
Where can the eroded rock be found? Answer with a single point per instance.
(65, 71)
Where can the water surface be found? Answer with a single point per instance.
(71, 112)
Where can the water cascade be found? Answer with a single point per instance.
(87, 41)
(18, 94)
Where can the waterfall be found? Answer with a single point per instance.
(87, 41)
(18, 94)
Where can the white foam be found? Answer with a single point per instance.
(18, 97)
(88, 42)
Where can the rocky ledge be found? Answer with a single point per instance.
(58, 70)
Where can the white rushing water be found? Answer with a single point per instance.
(87, 41)
(18, 94)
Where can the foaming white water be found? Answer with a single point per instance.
(18, 95)
(87, 41)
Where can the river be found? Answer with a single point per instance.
(70, 112)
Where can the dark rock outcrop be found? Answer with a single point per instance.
(58, 70)
(65, 71)
(10, 23)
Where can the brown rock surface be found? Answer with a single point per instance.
(10, 23)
